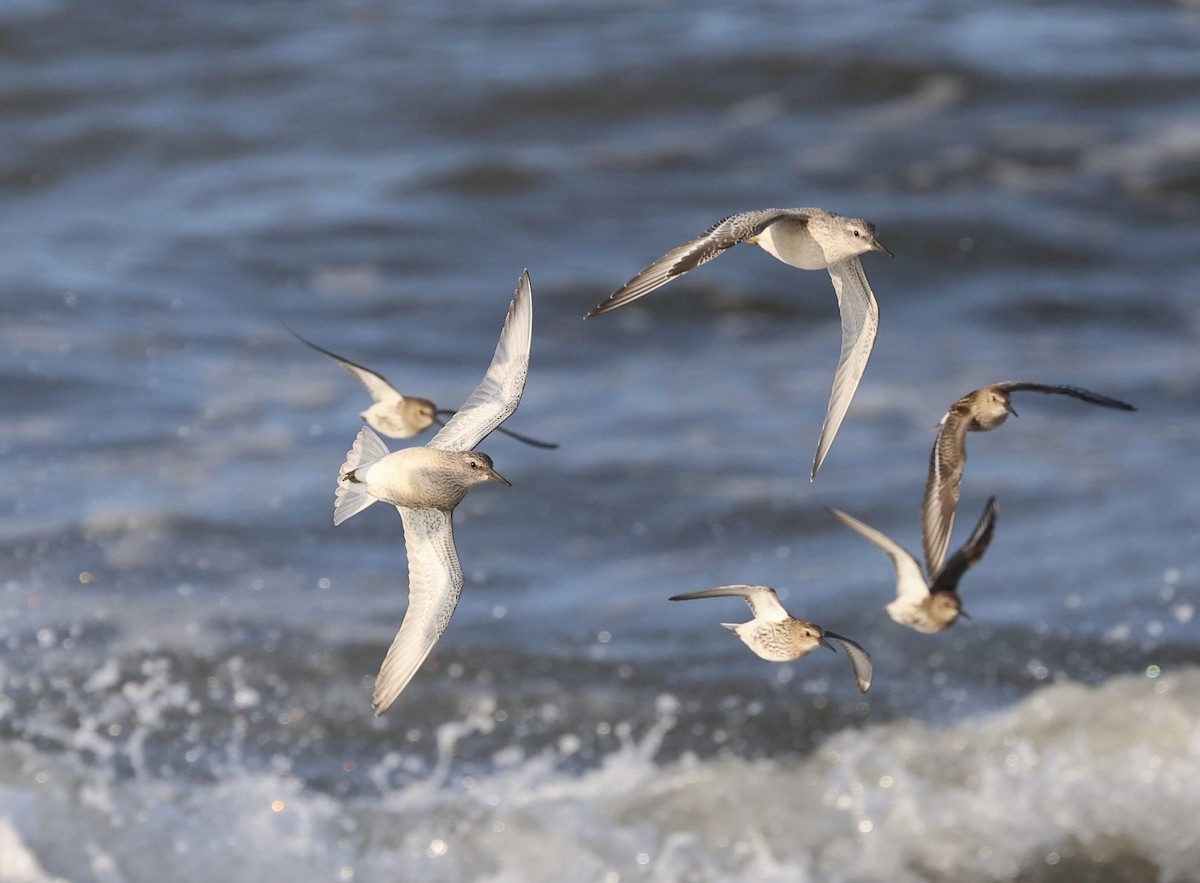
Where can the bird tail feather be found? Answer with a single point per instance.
(351, 496)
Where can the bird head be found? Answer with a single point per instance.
(480, 469)
(864, 234)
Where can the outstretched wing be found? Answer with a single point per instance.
(376, 384)
(718, 238)
(860, 322)
(859, 658)
(763, 601)
(524, 439)
(971, 552)
(946, 462)
(435, 581)
(910, 582)
(1074, 392)
(497, 396)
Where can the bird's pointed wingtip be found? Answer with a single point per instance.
(524, 290)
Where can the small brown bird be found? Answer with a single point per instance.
(777, 636)
(977, 411)
(807, 238)
(920, 605)
(396, 415)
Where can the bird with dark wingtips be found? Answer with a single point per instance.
(777, 636)
(931, 606)
(396, 415)
(978, 411)
(807, 238)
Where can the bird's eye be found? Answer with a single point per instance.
(857, 234)
(474, 464)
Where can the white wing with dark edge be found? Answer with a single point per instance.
(911, 587)
(376, 384)
(763, 601)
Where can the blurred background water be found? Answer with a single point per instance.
(189, 644)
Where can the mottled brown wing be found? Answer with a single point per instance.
(946, 463)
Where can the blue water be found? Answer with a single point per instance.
(189, 644)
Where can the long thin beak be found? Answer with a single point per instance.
(1011, 409)
(879, 246)
(496, 476)
(826, 644)
(964, 614)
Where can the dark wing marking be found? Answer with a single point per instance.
(971, 552)
(763, 601)
(376, 384)
(718, 238)
(1075, 392)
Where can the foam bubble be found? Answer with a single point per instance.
(1072, 779)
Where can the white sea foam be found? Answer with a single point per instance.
(1073, 777)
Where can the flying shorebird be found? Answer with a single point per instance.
(977, 411)
(425, 484)
(928, 607)
(396, 415)
(808, 238)
(777, 636)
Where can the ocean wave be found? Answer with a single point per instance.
(1071, 783)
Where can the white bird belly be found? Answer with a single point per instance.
(414, 478)
(791, 243)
